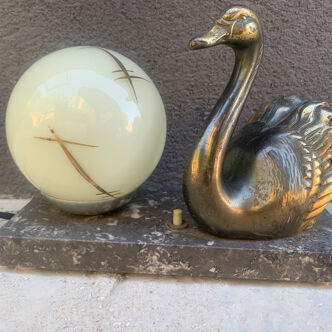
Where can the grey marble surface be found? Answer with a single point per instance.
(136, 240)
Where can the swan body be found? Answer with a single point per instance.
(274, 176)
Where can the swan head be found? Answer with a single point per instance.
(236, 26)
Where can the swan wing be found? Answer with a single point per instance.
(272, 114)
(315, 127)
(310, 124)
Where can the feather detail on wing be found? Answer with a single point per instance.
(274, 113)
(310, 123)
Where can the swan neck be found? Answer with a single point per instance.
(223, 119)
(231, 103)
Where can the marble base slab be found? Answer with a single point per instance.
(135, 239)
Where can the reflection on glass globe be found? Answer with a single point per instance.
(86, 126)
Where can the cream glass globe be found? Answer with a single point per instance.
(87, 127)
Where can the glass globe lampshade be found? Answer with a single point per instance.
(87, 127)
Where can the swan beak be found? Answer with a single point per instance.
(217, 35)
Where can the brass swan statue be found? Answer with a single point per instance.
(274, 176)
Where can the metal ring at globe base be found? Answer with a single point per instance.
(89, 208)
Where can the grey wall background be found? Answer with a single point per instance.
(155, 34)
